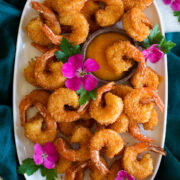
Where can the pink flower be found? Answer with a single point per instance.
(175, 4)
(123, 175)
(78, 73)
(47, 155)
(153, 53)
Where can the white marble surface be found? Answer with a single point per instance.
(170, 22)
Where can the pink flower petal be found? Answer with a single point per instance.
(76, 61)
(123, 174)
(48, 164)
(68, 70)
(38, 149)
(38, 159)
(50, 150)
(167, 2)
(90, 65)
(152, 47)
(175, 5)
(89, 82)
(146, 54)
(155, 55)
(73, 83)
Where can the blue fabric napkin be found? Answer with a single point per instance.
(10, 11)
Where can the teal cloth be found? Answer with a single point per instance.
(10, 11)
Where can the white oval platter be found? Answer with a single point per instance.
(24, 52)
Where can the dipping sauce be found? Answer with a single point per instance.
(96, 50)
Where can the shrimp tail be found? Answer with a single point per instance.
(135, 132)
(55, 39)
(100, 166)
(156, 98)
(157, 149)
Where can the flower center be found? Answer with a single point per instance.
(44, 155)
(125, 178)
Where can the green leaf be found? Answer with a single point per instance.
(60, 56)
(177, 13)
(28, 167)
(67, 50)
(155, 37)
(86, 96)
(166, 46)
(50, 174)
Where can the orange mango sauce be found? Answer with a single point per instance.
(96, 50)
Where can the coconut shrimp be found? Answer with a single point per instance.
(53, 78)
(58, 104)
(79, 27)
(34, 128)
(62, 165)
(29, 100)
(29, 72)
(76, 171)
(141, 4)
(121, 90)
(115, 167)
(137, 111)
(108, 138)
(67, 127)
(113, 107)
(111, 14)
(95, 173)
(48, 15)
(134, 130)
(80, 135)
(136, 24)
(121, 124)
(67, 6)
(149, 79)
(121, 54)
(89, 11)
(142, 168)
(34, 27)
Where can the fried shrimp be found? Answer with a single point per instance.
(53, 78)
(80, 135)
(121, 124)
(34, 128)
(134, 130)
(152, 121)
(48, 15)
(143, 168)
(121, 90)
(89, 11)
(29, 72)
(96, 173)
(58, 103)
(75, 172)
(119, 56)
(35, 32)
(34, 27)
(149, 79)
(29, 100)
(137, 111)
(111, 14)
(62, 165)
(108, 138)
(115, 167)
(141, 4)
(67, 127)
(67, 6)
(136, 24)
(79, 28)
(113, 107)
